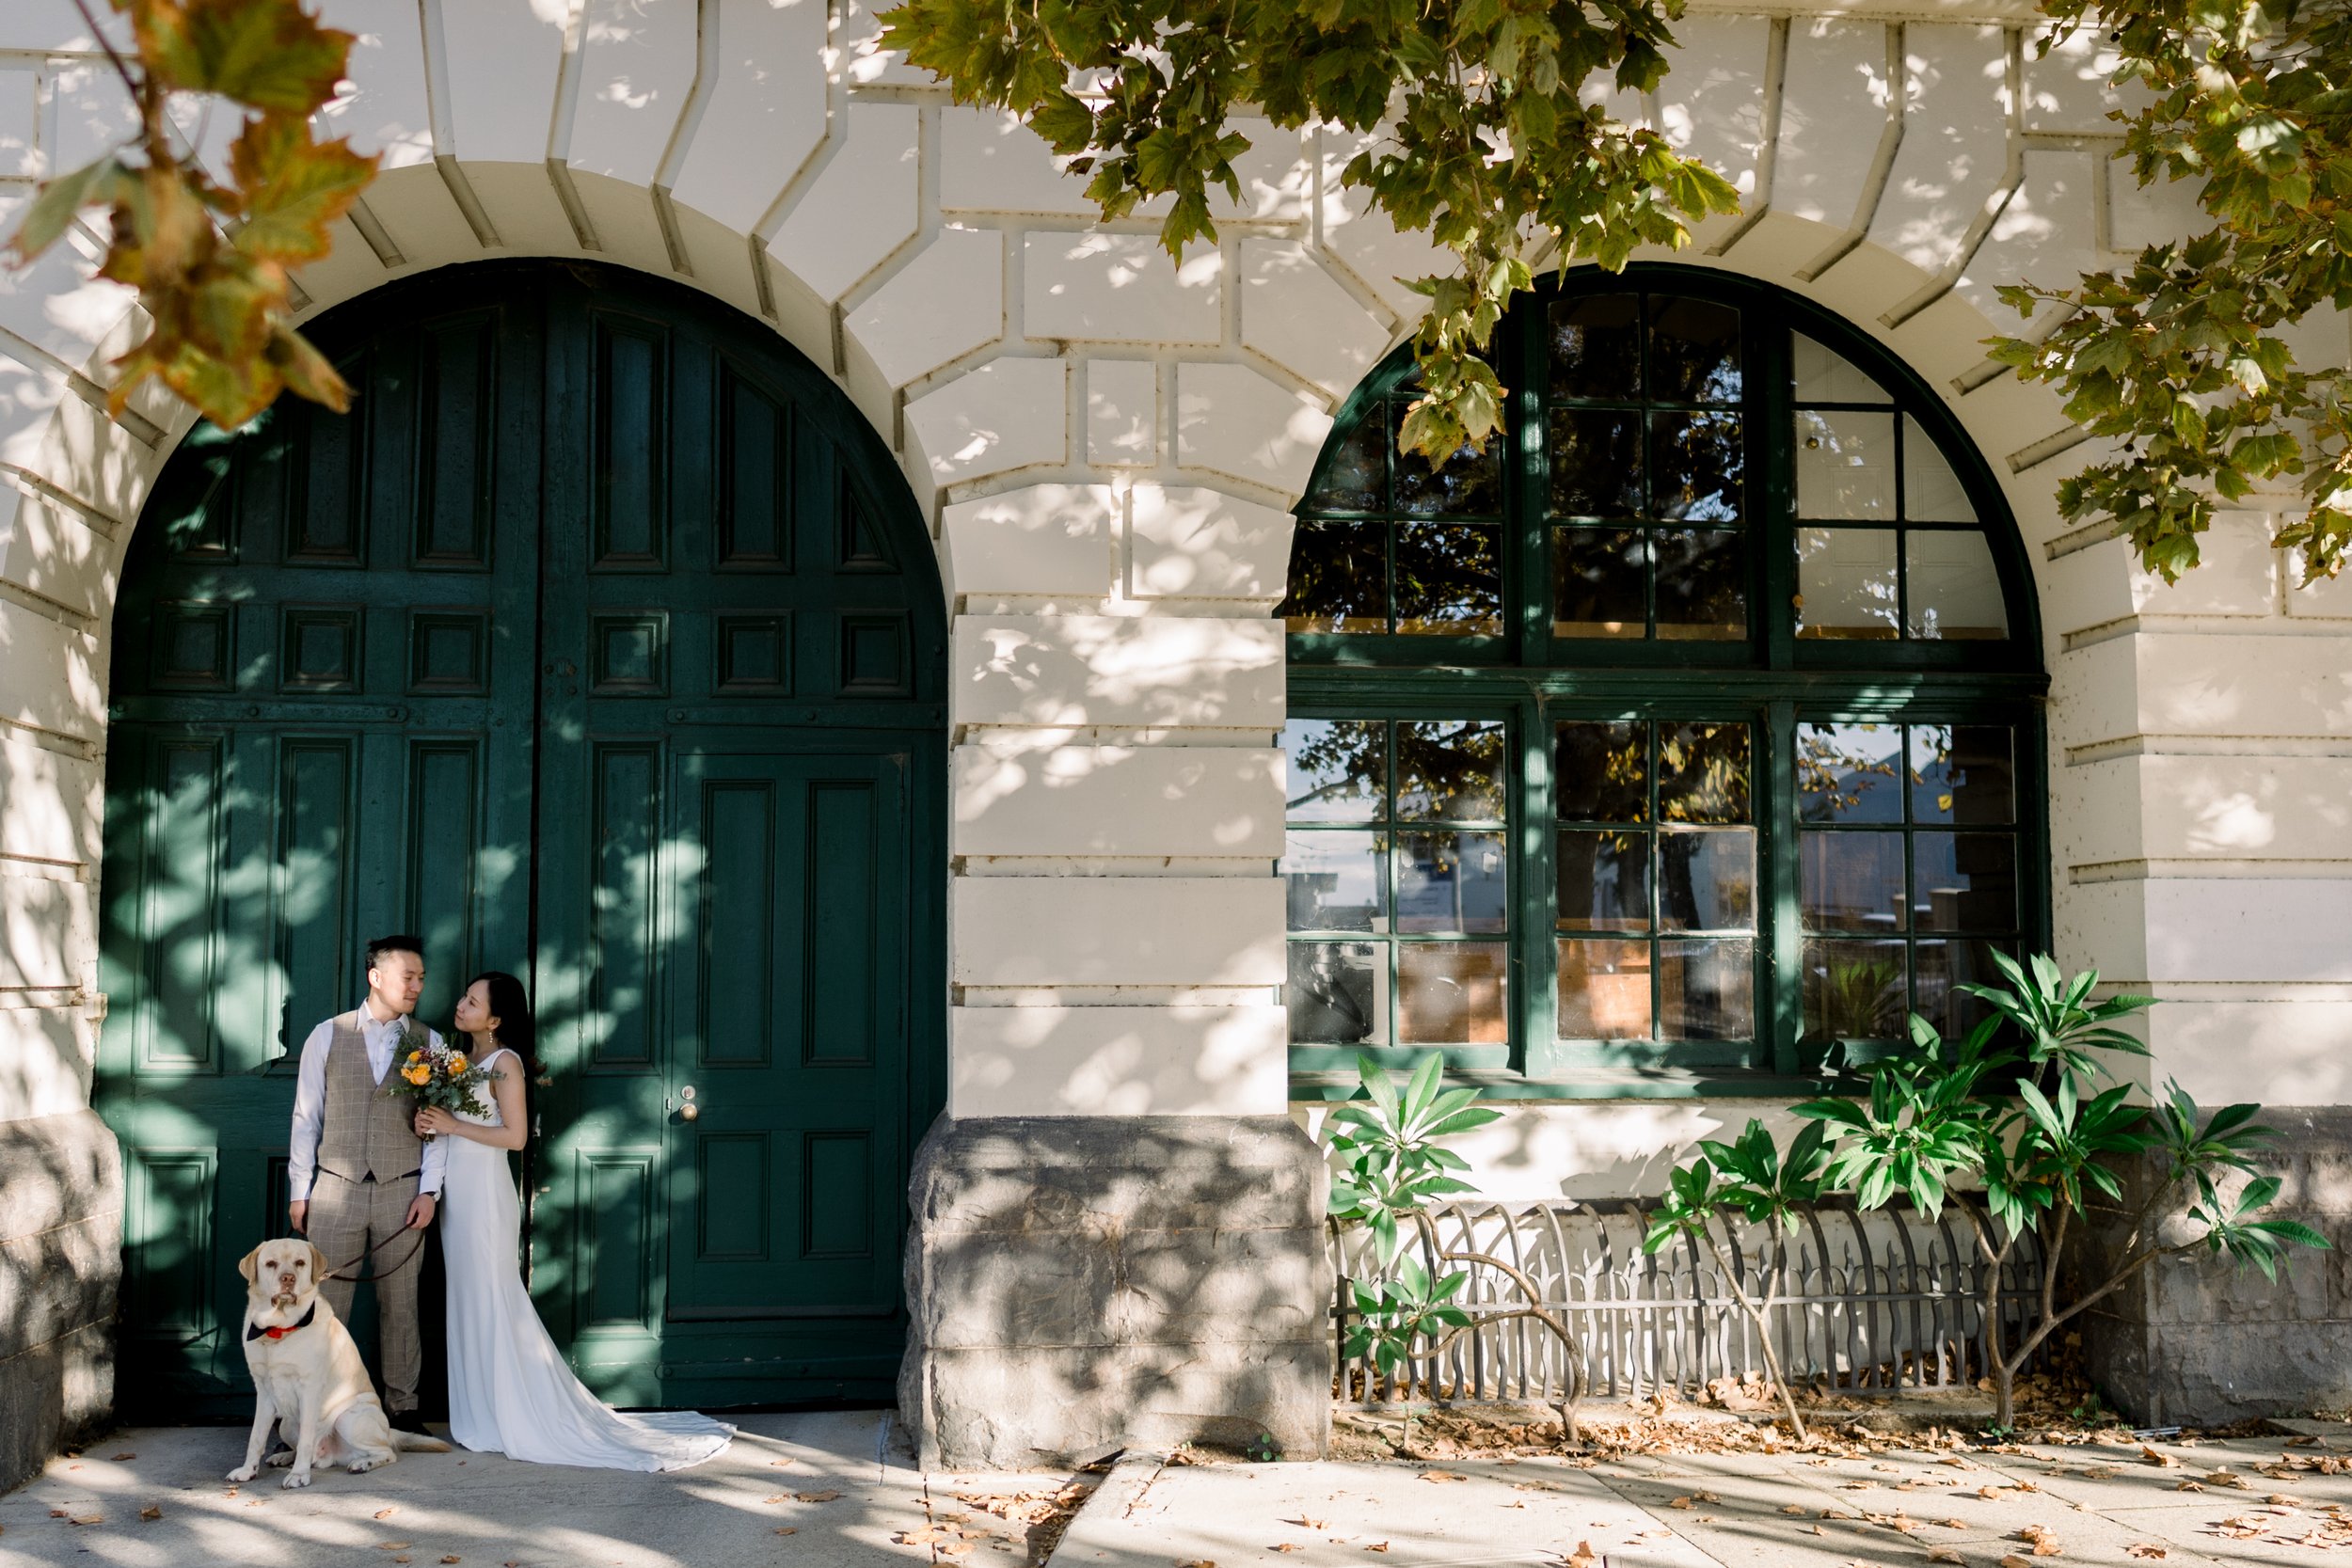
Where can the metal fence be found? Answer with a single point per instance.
(1860, 1302)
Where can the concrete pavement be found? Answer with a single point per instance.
(2096, 1505)
(794, 1491)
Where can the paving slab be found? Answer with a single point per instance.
(1699, 1510)
(793, 1491)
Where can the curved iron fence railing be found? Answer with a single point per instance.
(1862, 1303)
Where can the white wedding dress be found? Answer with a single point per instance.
(509, 1390)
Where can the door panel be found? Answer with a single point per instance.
(600, 643)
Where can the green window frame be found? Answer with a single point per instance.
(1658, 942)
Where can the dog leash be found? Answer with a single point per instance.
(338, 1274)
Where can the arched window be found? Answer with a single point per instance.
(1690, 735)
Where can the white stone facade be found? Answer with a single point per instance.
(1108, 445)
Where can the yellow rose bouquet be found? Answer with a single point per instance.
(441, 1074)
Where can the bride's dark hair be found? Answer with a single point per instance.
(509, 1004)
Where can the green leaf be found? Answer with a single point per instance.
(54, 207)
(267, 54)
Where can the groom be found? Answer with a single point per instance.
(356, 1174)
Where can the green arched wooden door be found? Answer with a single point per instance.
(602, 643)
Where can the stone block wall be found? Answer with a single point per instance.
(1109, 446)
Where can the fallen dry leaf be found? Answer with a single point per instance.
(151, 1512)
(2162, 1460)
(775, 1461)
(955, 1548)
(2013, 1561)
(1287, 1546)
(1305, 1523)
(450, 1556)
(393, 1545)
(2283, 1500)
(815, 1496)
(1382, 1546)
(1679, 1502)
(86, 1519)
(1441, 1476)
(1198, 1563)
(1583, 1556)
(119, 1458)
(922, 1537)
(1945, 1554)
(385, 1513)
(787, 1529)
(1798, 1509)
(2147, 1549)
(2188, 1486)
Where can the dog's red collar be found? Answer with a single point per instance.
(258, 1332)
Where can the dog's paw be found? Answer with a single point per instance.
(362, 1467)
(296, 1478)
(241, 1473)
(282, 1458)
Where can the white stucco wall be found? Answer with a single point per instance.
(1108, 446)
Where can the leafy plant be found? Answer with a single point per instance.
(1750, 1177)
(1487, 137)
(1938, 1115)
(2184, 354)
(1389, 1164)
(207, 256)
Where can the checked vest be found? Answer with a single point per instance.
(367, 1132)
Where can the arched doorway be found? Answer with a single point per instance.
(601, 642)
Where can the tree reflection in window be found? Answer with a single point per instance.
(1395, 863)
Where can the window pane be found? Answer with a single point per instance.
(1696, 468)
(1352, 479)
(1600, 771)
(1849, 772)
(1852, 881)
(1944, 966)
(1705, 990)
(1448, 882)
(1604, 990)
(1595, 347)
(1846, 583)
(1845, 464)
(1338, 769)
(1604, 880)
(1596, 582)
(1964, 881)
(1702, 589)
(1596, 463)
(1694, 351)
(1962, 773)
(1451, 770)
(1470, 483)
(1448, 580)
(1334, 881)
(1338, 578)
(1707, 880)
(1855, 990)
(1955, 593)
(1823, 375)
(1703, 772)
(1338, 994)
(1452, 993)
(1932, 492)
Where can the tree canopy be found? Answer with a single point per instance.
(1493, 140)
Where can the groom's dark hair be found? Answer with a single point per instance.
(398, 942)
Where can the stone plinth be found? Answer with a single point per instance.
(1081, 1284)
(2195, 1341)
(60, 1260)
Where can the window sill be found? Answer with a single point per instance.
(1589, 1085)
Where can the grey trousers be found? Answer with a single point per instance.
(347, 1218)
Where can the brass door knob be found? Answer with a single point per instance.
(688, 1111)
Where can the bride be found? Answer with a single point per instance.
(509, 1390)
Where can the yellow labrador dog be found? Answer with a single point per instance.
(308, 1377)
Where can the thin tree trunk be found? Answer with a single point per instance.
(1763, 1335)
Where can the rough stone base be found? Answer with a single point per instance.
(1084, 1284)
(60, 1262)
(2198, 1341)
